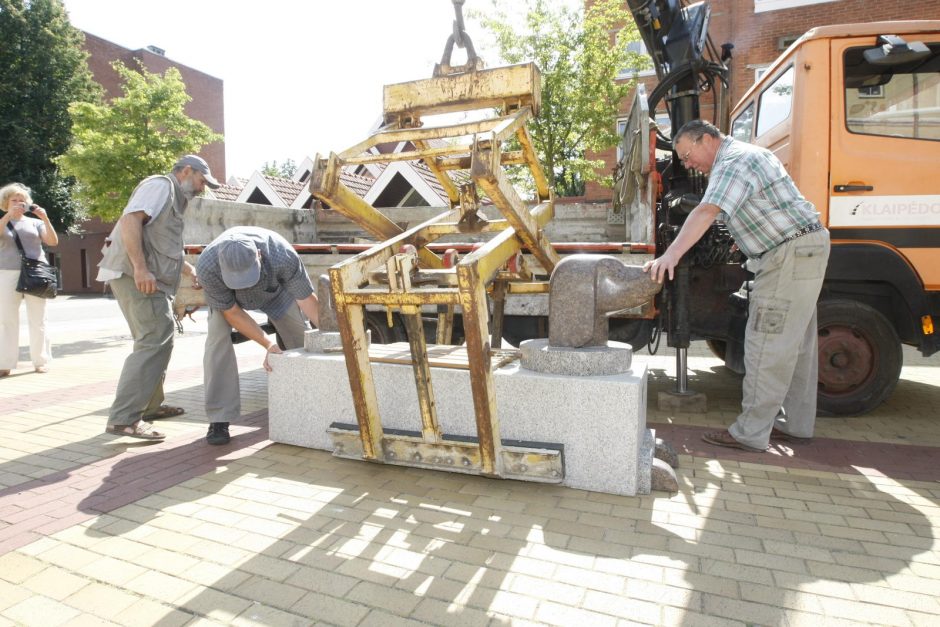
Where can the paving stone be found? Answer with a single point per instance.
(797, 542)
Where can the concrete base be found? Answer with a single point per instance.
(683, 402)
(317, 341)
(614, 358)
(600, 420)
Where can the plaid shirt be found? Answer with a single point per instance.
(759, 202)
(283, 280)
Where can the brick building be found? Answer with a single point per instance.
(77, 255)
(762, 29)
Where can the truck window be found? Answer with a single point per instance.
(775, 102)
(899, 101)
(743, 126)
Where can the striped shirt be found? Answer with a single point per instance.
(283, 279)
(759, 202)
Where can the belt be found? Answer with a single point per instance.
(806, 230)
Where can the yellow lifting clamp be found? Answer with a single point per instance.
(402, 273)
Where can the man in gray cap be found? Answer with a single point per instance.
(248, 268)
(143, 261)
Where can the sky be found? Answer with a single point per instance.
(300, 76)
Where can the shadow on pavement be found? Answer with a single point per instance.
(338, 538)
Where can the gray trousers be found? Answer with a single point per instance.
(140, 388)
(780, 343)
(220, 368)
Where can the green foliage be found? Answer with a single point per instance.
(141, 133)
(580, 54)
(43, 69)
(285, 171)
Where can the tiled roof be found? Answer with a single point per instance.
(225, 192)
(287, 189)
(429, 178)
(358, 184)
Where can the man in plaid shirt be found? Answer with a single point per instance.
(248, 268)
(787, 250)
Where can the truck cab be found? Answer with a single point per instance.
(853, 111)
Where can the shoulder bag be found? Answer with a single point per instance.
(37, 278)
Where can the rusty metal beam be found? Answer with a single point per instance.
(511, 124)
(541, 181)
(414, 327)
(541, 287)
(408, 155)
(513, 157)
(520, 84)
(450, 228)
(487, 173)
(453, 196)
(325, 185)
(393, 134)
(351, 320)
(418, 236)
(476, 330)
(532, 463)
(415, 298)
(493, 255)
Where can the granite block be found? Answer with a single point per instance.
(600, 420)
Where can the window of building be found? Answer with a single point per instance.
(775, 102)
(896, 101)
(621, 127)
(638, 47)
(760, 6)
(662, 122)
(759, 70)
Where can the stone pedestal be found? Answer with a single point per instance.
(599, 419)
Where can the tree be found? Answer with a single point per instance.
(141, 133)
(43, 69)
(285, 171)
(580, 59)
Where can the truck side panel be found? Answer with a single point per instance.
(885, 145)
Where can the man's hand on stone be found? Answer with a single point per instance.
(659, 268)
(273, 348)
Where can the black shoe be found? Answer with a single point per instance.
(218, 433)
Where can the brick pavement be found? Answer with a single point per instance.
(102, 530)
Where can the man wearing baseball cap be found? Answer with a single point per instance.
(142, 263)
(248, 268)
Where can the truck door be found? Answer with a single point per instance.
(885, 151)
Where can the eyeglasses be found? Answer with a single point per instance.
(685, 157)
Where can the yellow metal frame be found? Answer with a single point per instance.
(402, 274)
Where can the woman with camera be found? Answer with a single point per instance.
(33, 232)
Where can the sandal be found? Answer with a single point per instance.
(779, 434)
(723, 438)
(163, 412)
(140, 430)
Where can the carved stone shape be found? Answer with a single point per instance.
(585, 289)
(665, 452)
(663, 477)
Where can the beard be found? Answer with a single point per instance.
(189, 191)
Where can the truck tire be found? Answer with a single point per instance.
(717, 347)
(377, 323)
(859, 358)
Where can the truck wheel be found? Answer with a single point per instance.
(377, 323)
(717, 347)
(859, 358)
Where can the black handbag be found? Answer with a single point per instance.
(37, 278)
